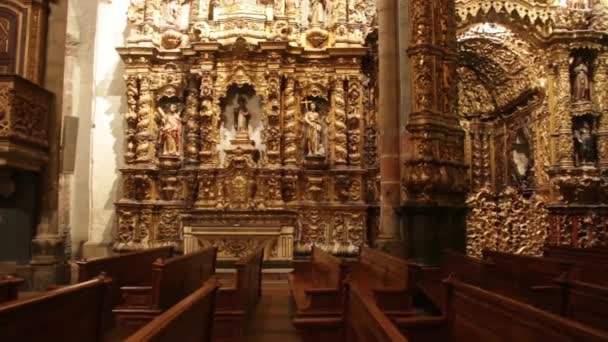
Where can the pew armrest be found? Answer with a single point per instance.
(137, 296)
(323, 298)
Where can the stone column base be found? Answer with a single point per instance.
(428, 230)
(92, 250)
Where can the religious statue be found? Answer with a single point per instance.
(312, 131)
(585, 144)
(317, 15)
(171, 130)
(290, 6)
(581, 82)
(241, 115)
(172, 14)
(579, 4)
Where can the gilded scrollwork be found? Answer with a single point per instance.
(507, 222)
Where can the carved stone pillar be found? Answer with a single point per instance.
(434, 173)
(340, 149)
(388, 123)
(600, 96)
(562, 134)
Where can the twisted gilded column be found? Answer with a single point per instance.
(600, 96)
(434, 173)
(563, 146)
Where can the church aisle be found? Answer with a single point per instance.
(271, 320)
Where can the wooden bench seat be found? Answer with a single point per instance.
(527, 279)
(129, 269)
(386, 278)
(379, 288)
(9, 288)
(190, 320)
(469, 269)
(474, 314)
(237, 299)
(316, 284)
(72, 313)
(364, 321)
(316, 288)
(173, 280)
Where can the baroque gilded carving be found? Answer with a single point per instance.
(219, 96)
(507, 222)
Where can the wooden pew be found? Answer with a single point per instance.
(237, 300)
(388, 279)
(525, 278)
(173, 280)
(469, 269)
(584, 302)
(129, 269)
(577, 255)
(190, 320)
(72, 313)
(364, 321)
(474, 314)
(316, 288)
(380, 287)
(9, 288)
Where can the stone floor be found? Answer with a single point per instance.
(271, 320)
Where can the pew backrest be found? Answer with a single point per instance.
(364, 321)
(326, 268)
(520, 275)
(129, 269)
(179, 276)
(585, 303)
(249, 277)
(479, 315)
(577, 255)
(9, 288)
(469, 269)
(190, 320)
(72, 313)
(387, 270)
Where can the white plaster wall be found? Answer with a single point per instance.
(106, 137)
(78, 95)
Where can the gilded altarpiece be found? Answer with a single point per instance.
(248, 123)
(532, 100)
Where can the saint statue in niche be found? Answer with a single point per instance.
(172, 15)
(520, 156)
(171, 130)
(581, 82)
(317, 15)
(313, 131)
(584, 140)
(241, 116)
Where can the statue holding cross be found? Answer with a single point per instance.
(313, 140)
